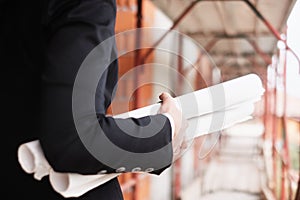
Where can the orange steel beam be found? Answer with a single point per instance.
(137, 94)
(211, 44)
(264, 20)
(285, 165)
(207, 48)
(298, 191)
(180, 63)
(263, 55)
(277, 153)
(257, 13)
(266, 105)
(179, 89)
(267, 59)
(137, 54)
(175, 24)
(272, 29)
(285, 137)
(274, 128)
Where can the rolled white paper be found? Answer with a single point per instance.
(32, 160)
(218, 121)
(214, 98)
(75, 185)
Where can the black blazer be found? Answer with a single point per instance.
(43, 44)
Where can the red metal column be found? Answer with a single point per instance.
(137, 60)
(286, 157)
(274, 129)
(210, 44)
(137, 98)
(177, 166)
(199, 78)
(267, 59)
(266, 106)
(298, 191)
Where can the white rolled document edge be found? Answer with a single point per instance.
(217, 121)
(32, 159)
(211, 99)
(75, 185)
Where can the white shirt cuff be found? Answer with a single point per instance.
(171, 122)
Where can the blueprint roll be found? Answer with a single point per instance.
(208, 123)
(33, 161)
(219, 97)
(222, 96)
(75, 185)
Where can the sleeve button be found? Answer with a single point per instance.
(121, 169)
(149, 170)
(102, 172)
(136, 169)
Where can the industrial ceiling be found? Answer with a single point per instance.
(237, 33)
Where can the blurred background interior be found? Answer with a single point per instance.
(218, 41)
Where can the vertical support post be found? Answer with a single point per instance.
(298, 191)
(200, 81)
(137, 55)
(266, 106)
(137, 101)
(274, 129)
(282, 154)
(179, 88)
(285, 155)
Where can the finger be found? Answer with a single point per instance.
(184, 145)
(164, 96)
(166, 100)
(185, 123)
(181, 132)
(177, 151)
(161, 96)
(176, 155)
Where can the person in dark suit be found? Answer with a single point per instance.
(43, 44)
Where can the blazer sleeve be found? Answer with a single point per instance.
(103, 144)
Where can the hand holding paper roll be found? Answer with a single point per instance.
(206, 111)
(33, 161)
(178, 122)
